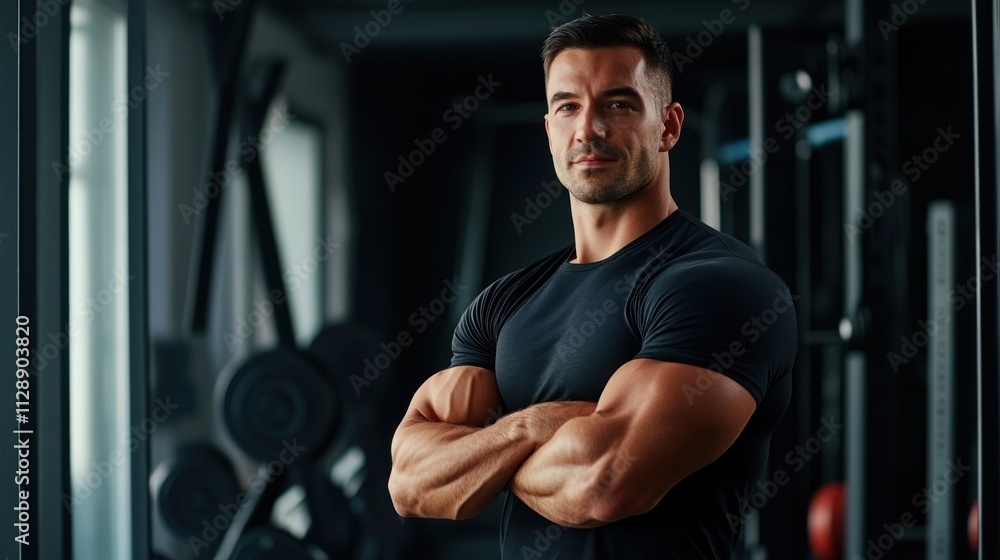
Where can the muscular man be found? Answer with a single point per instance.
(635, 377)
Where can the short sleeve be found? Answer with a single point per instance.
(475, 339)
(477, 333)
(730, 314)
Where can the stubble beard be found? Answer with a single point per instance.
(593, 186)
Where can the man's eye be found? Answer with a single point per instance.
(621, 105)
(566, 107)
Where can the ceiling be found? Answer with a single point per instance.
(327, 23)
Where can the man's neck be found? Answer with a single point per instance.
(602, 230)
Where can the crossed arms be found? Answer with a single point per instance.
(578, 464)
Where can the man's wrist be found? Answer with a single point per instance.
(520, 425)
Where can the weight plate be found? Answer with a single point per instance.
(279, 405)
(195, 487)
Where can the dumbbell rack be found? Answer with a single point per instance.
(274, 397)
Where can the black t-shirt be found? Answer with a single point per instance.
(682, 292)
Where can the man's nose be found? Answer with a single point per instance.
(591, 126)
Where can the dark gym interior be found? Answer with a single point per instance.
(243, 232)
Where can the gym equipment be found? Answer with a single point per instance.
(986, 68)
(347, 350)
(189, 488)
(332, 531)
(277, 396)
(973, 526)
(826, 521)
(280, 406)
(942, 262)
(268, 543)
(188, 485)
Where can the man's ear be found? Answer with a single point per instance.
(548, 136)
(673, 119)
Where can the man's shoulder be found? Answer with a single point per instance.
(694, 252)
(516, 285)
(708, 261)
(699, 241)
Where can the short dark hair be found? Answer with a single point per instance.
(591, 32)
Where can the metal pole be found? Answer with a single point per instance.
(986, 66)
(755, 62)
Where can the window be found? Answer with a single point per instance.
(293, 169)
(98, 282)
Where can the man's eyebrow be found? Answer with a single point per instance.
(624, 91)
(560, 96)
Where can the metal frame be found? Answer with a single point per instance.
(229, 68)
(27, 251)
(986, 65)
(11, 274)
(253, 120)
(869, 154)
(52, 56)
(755, 88)
(941, 375)
(138, 266)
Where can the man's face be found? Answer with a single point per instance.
(605, 126)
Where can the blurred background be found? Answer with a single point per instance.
(255, 224)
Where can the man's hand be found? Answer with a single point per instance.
(543, 419)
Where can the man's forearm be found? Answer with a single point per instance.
(562, 480)
(453, 471)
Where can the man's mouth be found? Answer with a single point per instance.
(593, 161)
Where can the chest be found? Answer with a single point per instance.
(564, 343)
